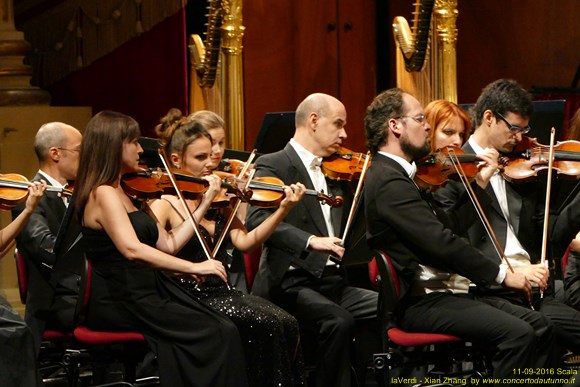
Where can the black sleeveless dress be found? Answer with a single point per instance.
(195, 345)
(270, 335)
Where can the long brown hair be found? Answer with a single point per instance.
(101, 154)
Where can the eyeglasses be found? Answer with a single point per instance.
(421, 119)
(69, 149)
(514, 129)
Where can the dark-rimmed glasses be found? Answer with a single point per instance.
(514, 129)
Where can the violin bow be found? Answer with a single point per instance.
(547, 205)
(238, 202)
(195, 226)
(479, 210)
(357, 195)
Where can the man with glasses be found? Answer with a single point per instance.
(428, 255)
(516, 210)
(50, 300)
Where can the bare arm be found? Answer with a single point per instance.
(173, 240)
(8, 233)
(248, 241)
(105, 210)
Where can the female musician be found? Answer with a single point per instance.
(129, 251)
(214, 125)
(208, 120)
(17, 351)
(451, 127)
(269, 334)
(449, 124)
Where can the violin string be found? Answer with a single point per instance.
(276, 187)
(25, 184)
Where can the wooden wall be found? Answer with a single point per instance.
(289, 51)
(296, 47)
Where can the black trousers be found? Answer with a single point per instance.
(328, 307)
(517, 337)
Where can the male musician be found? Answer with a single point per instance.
(515, 211)
(295, 270)
(57, 146)
(427, 254)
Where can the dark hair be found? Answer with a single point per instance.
(503, 96)
(101, 153)
(387, 105)
(177, 132)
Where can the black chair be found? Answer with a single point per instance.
(433, 354)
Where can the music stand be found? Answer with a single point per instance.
(276, 130)
(356, 249)
(150, 156)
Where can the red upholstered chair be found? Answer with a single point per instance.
(436, 354)
(53, 357)
(251, 264)
(564, 261)
(104, 348)
(22, 272)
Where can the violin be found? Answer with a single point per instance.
(434, 170)
(14, 190)
(234, 167)
(151, 184)
(530, 157)
(222, 199)
(343, 164)
(268, 192)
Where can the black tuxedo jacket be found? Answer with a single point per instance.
(406, 225)
(36, 243)
(287, 245)
(526, 204)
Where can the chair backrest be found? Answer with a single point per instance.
(22, 273)
(84, 293)
(564, 261)
(251, 264)
(389, 289)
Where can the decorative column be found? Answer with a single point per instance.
(232, 33)
(445, 13)
(15, 88)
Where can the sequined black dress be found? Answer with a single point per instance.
(270, 335)
(195, 345)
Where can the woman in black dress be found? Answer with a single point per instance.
(269, 334)
(195, 346)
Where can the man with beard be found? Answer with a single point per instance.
(295, 270)
(515, 211)
(417, 235)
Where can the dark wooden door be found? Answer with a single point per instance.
(296, 47)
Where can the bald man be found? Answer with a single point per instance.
(295, 271)
(57, 146)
